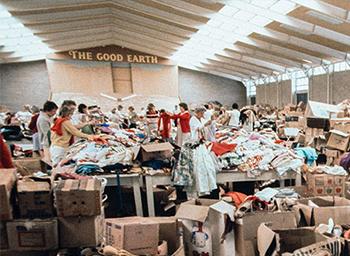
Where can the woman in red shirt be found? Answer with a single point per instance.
(183, 127)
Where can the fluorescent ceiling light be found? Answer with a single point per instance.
(295, 29)
(324, 17)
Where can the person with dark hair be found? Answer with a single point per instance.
(234, 115)
(43, 125)
(183, 127)
(81, 118)
(132, 117)
(62, 135)
(164, 124)
(152, 117)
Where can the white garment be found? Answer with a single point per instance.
(116, 117)
(207, 114)
(77, 118)
(36, 142)
(196, 126)
(204, 170)
(57, 154)
(234, 117)
(210, 132)
(24, 116)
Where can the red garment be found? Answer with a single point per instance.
(165, 120)
(237, 197)
(57, 126)
(184, 120)
(222, 148)
(5, 155)
(32, 124)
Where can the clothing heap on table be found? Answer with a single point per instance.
(255, 152)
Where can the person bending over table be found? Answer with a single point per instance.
(62, 134)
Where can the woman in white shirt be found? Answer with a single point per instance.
(234, 115)
(197, 124)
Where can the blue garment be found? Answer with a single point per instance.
(308, 153)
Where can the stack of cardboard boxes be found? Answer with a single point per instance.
(79, 207)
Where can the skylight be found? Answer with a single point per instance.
(17, 42)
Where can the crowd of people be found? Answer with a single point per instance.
(53, 128)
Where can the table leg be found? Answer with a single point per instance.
(137, 196)
(282, 183)
(149, 193)
(298, 180)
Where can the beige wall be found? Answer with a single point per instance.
(275, 94)
(80, 76)
(93, 78)
(155, 80)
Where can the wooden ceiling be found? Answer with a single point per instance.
(261, 38)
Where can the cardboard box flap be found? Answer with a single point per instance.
(321, 110)
(8, 178)
(155, 147)
(193, 212)
(340, 133)
(224, 208)
(266, 238)
(32, 186)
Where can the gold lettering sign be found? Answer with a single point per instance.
(112, 57)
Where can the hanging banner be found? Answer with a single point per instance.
(110, 54)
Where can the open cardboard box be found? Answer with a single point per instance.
(156, 151)
(337, 208)
(7, 182)
(246, 228)
(338, 140)
(297, 241)
(208, 227)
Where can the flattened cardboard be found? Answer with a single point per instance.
(80, 231)
(78, 198)
(7, 182)
(156, 151)
(337, 208)
(215, 216)
(297, 241)
(28, 165)
(137, 235)
(32, 235)
(338, 140)
(246, 228)
(34, 199)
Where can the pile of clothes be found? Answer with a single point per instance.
(256, 152)
(89, 157)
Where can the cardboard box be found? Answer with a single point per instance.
(27, 166)
(34, 199)
(337, 208)
(78, 198)
(80, 231)
(207, 227)
(297, 241)
(338, 140)
(168, 231)
(7, 182)
(311, 133)
(332, 156)
(137, 235)
(325, 185)
(157, 151)
(3, 236)
(38, 234)
(319, 123)
(246, 228)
